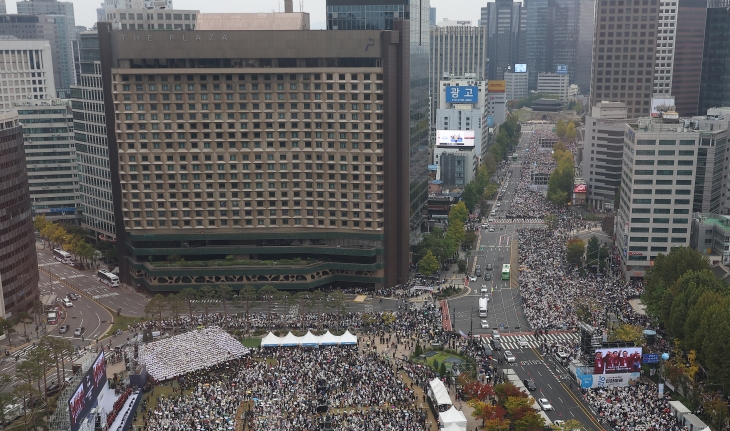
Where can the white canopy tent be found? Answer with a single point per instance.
(271, 340)
(453, 416)
(454, 427)
(328, 339)
(348, 338)
(440, 393)
(291, 340)
(310, 340)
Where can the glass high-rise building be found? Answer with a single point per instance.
(505, 21)
(715, 83)
(87, 102)
(381, 15)
(552, 37)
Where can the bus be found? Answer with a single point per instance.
(483, 310)
(107, 278)
(505, 271)
(62, 256)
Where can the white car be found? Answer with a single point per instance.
(491, 229)
(485, 289)
(473, 278)
(508, 356)
(522, 341)
(495, 334)
(67, 303)
(545, 404)
(491, 220)
(485, 324)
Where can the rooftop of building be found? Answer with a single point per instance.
(719, 220)
(253, 21)
(670, 122)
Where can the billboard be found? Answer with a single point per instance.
(496, 86)
(661, 105)
(455, 138)
(490, 120)
(461, 94)
(84, 398)
(617, 360)
(561, 69)
(521, 68)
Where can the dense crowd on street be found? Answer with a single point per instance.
(638, 407)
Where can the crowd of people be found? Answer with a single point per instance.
(637, 407)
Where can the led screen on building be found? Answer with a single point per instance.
(455, 138)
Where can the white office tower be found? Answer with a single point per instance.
(664, 53)
(26, 71)
(603, 152)
(461, 107)
(516, 82)
(87, 100)
(672, 168)
(554, 84)
(50, 156)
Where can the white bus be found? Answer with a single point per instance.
(62, 256)
(483, 307)
(107, 278)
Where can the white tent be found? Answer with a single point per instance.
(440, 393)
(310, 340)
(453, 416)
(271, 340)
(328, 339)
(454, 427)
(291, 340)
(348, 338)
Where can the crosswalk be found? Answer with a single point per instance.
(519, 221)
(511, 342)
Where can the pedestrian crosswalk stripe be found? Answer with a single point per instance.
(519, 221)
(511, 342)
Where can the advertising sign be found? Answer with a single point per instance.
(561, 69)
(521, 68)
(497, 86)
(455, 138)
(490, 120)
(622, 379)
(651, 358)
(465, 94)
(88, 390)
(617, 360)
(661, 105)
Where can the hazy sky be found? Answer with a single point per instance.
(453, 9)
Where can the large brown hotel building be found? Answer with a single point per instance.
(259, 157)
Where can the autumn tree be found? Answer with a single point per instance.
(476, 390)
(627, 332)
(428, 264)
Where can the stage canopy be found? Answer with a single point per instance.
(453, 416)
(440, 393)
(271, 340)
(308, 340)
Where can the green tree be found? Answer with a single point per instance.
(428, 264)
(517, 407)
(6, 398)
(593, 250)
(693, 337)
(570, 132)
(156, 306)
(24, 318)
(190, 297)
(552, 221)
(248, 294)
(560, 129)
(458, 214)
(7, 328)
(627, 332)
(175, 305)
(569, 425)
(531, 421)
(207, 294)
(575, 249)
(442, 369)
(667, 269)
(268, 294)
(60, 349)
(224, 294)
(28, 373)
(681, 297)
(560, 183)
(43, 357)
(470, 238)
(716, 348)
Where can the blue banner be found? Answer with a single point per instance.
(490, 121)
(465, 94)
(651, 358)
(561, 69)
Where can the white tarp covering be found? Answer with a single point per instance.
(454, 427)
(453, 416)
(271, 340)
(440, 393)
(328, 339)
(348, 338)
(310, 340)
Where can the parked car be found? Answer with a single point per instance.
(63, 329)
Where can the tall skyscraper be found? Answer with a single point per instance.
(263, 152)
(585, 45)
(666, 41)
(52, 172)
(381, 15)
(715, 81)
(432, 16)
(18, 262)
(688, 49)
(603, 150)
(60, 15)
(552, 37)
(92, 149)
(623, 61)
(28, 76)
(506, 23)
(669, 173)
(3, 8)
(456, 51)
